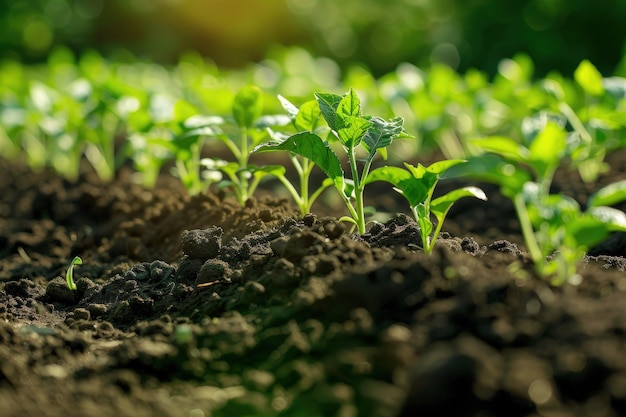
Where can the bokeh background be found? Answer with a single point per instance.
(556, 34)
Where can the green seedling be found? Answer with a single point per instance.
(417, 184)
(240, 134)
(69, 275)
(563, 232)
(556, 231)
(305, 118)
(354, 132)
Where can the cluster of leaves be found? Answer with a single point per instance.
(113, 112)
(445, 108)
(556, 230)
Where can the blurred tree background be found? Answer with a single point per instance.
(556, 34)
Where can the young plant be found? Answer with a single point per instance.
(417, 184)
(240, 135)
(564, 232)
(305, 118)
(596, 117)
(354, 132)
(69, 275)
(556, 231)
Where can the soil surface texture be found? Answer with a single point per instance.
(197, 307)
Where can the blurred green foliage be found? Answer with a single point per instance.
(556, 34)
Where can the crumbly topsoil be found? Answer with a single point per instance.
(199, 307)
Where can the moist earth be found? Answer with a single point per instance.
(195, 306)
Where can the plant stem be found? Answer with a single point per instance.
(358, 191)
(576, 123)
(243, 166)
(304, 186)
(527, 230)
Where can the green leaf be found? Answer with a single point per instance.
(615, 86)
(289, 107)
(535, 124)
(269, 120)
(382, 133)
(328, 104)
(442, 166)
(183, 110)
(612, 217)
(231, 169)
(548, 148)
(198, 120)
(349, 106)
(312, 147)
(247, 106)
(589, 78)
(592, 228)
(308, 116)
(439, 207)
(414, 190)
(503, 146)
(262, 171)
(202, 131)
(353, 131)
(609, 195)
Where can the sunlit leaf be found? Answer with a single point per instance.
(328, 103)
(413, 189)
(308, 116)
(349, 106)
(589, 78)
(289, 107)
(608, 195)
(312, 147)
(439, 207)
(381, 134)
(353, 130)
(503, 146)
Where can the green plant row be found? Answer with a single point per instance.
(206, 126)
(113, 111)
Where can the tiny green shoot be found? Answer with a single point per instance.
(69, 275)
(417, 184)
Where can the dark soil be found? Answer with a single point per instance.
(197, 307)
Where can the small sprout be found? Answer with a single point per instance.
(417, 185)
(69, 275)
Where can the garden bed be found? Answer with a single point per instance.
(195, 306)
